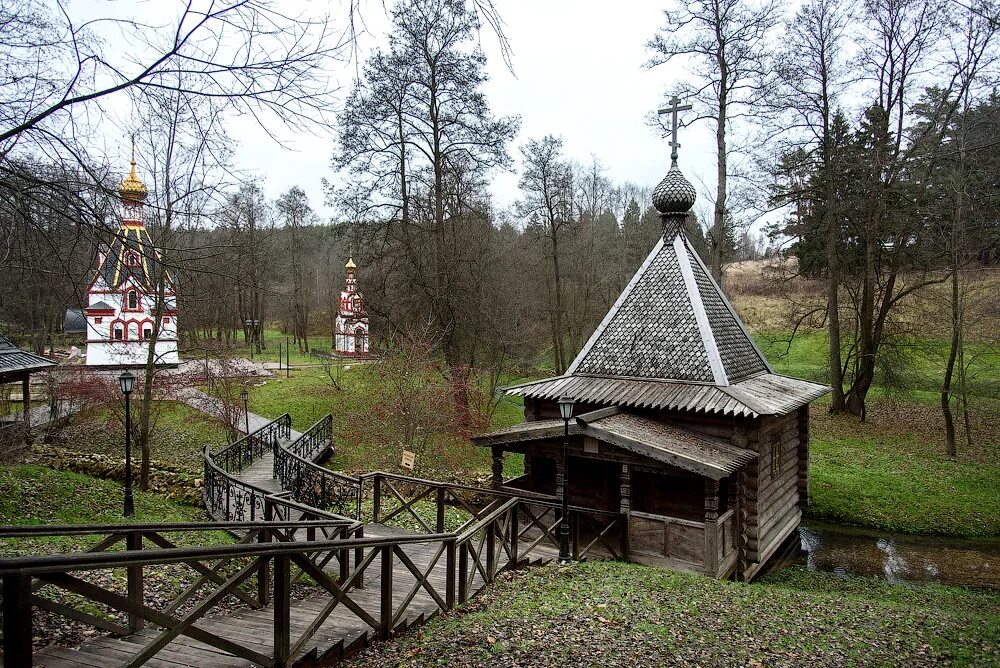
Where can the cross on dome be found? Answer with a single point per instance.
(674, 196)
(674, 109)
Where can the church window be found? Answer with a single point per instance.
(133, 299)
(133, 259)
(119, 333)
(97, 321)
(147, 333)
(776, 454)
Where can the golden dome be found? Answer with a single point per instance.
(350, 264)
(132, 188)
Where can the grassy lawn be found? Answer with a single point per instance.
(178, 435)
(889, 472)
(612, 614)
(40, 495)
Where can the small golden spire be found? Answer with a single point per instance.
(132, 188)
(350, 266)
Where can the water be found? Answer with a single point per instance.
(848, 550)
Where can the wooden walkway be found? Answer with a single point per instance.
(405, 577)
(342, 631)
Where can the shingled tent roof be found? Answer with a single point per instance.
(115, 269)
(672, 340)
(13, 360)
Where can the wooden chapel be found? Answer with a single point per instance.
(680, 423)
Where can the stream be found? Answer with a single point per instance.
(849, 550)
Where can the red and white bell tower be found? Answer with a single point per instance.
(351, 323)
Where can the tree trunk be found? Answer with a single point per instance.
(719, 223)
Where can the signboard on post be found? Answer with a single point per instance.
(408, 460)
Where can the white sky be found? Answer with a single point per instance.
(578, 73)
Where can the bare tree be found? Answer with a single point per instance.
(547, 205)
(729, 44)
(293, 209)
(813, 72)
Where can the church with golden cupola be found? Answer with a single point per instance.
(122, 292)
(350, 335)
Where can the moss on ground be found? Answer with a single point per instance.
(612, 614)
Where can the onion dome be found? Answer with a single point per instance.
(674, 194)
(132, 188)
(350, 266)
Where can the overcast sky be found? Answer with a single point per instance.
(577, 72)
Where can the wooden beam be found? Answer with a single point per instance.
(26, 399)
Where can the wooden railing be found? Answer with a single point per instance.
(425, 505)
(240, 571)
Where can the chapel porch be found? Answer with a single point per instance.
(676, 491)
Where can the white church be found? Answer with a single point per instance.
(121, 294)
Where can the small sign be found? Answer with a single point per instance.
(408, 460)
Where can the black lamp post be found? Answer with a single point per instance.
(566, 412)
(245, 396)
(127, 382)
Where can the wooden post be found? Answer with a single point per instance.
(17, 629)
(497, 479)
(133, 541)
(440, 509)
(491, 551)
(449, 560)
(515, 538)
(711, 527)
(385, 605)
(574, 522)
(625, 507)
(463, 567)
(376, 498)
(264, 572)
(282, 609)
(26, 400)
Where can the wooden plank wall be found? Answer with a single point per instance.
(775, 505)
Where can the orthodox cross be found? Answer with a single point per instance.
(674, 109)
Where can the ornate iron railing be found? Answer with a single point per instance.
(228, 498)
(312, 484)
(314, 441)
(243, 453)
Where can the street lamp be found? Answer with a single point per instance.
(127, 382)
(566, 412)
(245, 396)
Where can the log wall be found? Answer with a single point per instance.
(773, 489)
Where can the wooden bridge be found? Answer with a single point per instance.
(323, 563)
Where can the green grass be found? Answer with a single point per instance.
(178, 435)
(917, 370)
(613, 614)
(273, 337)
(890, 473)
(39, 495)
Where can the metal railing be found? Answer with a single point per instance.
(309, 483)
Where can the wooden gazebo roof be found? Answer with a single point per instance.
(16, 363)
